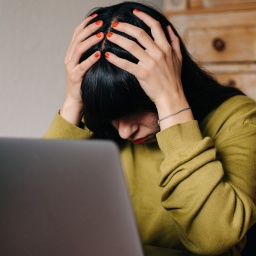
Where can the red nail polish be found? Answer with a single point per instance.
(109, 34)
(115, 24)
(136, 10)
(94, 15)
(98, 35)
(98, 22)
(106, 54)
(96, 54)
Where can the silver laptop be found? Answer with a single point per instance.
(64, 197)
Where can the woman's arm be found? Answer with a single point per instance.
(203, 176)
(75, 71)
(209, 182)
(159, 68)
(67, 123)
(62, 129)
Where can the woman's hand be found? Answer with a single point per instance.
(75, 71)
(159, 68)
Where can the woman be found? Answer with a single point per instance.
(187, 144)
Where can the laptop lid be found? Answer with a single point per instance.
(64, 197)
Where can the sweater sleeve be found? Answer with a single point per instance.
(61, 129)
(209, 185)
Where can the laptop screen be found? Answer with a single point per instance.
(64, 197)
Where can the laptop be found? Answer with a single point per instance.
(63, 198)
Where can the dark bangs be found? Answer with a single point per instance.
(110, 93)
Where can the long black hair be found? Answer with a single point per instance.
(109, 92)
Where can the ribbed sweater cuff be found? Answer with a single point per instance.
(61, 129)
(179, 135)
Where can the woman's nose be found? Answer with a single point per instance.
(127, 129)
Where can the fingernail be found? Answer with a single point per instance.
(136, 10)
(98, 22)
(94, 15)
(109, 34)
(115, 24)
(106, 54)
(99, 34)
(96, 54)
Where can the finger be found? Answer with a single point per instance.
(81, 34)
(142, 37)
(83, 24)
(128, 45)
(155, 26)
(175, 42)
(123, 64)
(87, 31)
(80, 27)
(83, 47)
(83, 67)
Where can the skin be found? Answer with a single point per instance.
(140, 128)
(158, 72)
(75, 71)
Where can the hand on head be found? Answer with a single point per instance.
(158, 69)
(75, 71)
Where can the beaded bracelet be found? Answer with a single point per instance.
(173, 114)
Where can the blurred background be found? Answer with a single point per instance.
(34, 36)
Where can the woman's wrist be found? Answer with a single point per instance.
(172, 112)
(172, 119)
(71, 113)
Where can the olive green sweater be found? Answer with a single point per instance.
(194, 189)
